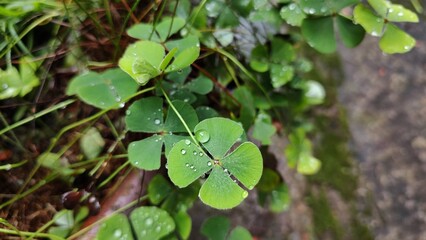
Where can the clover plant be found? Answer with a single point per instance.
(146, 222)
(109, 89)
(218, 77)
(21, 81)
(146, 115)
(231, 172)
(217, 228)
(392, 38)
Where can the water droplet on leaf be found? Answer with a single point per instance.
(157, 121)
(187, 142)
(117, 233)
(245, 194)
(183, 151)
(202, 136)
(149, 221)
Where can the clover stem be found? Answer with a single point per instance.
(250, 76)
(180, 117)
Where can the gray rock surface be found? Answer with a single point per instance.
(385, 97)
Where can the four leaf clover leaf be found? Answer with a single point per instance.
(231, 171)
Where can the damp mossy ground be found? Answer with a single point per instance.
(339, 169)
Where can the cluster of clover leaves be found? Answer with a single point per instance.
(198, 144)
(193, 149)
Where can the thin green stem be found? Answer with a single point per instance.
(124, 25)
(199, 8)
(92, 18)
(84, 163)
(67, 128)
(30, 190)
(111, 176)
(249, 75)
(9, 166)
(158, 17)
(34, 24)
(31, 234)
(37, 115)
(16, 141)
(179, 116)
(46, 225)
(18, 40)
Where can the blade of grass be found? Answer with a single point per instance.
(37, 115)
(34, 24)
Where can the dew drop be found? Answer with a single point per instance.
(202, 136)
(157, 121)
(183, 151)
(187, 142)
(149, 221)
(191, 167)
(209, 164)
(250, 187)
(158, 229)
(118, 99)
(128, 112)
(121, 105)
(406, 47)
(180, 71)
(167, 166)
(187, 164)
(117, 233)
(7, 167)
(225, 170)
(292, 6)
(201, 154)
(374, 33)
(400, 14)
(195, 153)
(244, 194)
